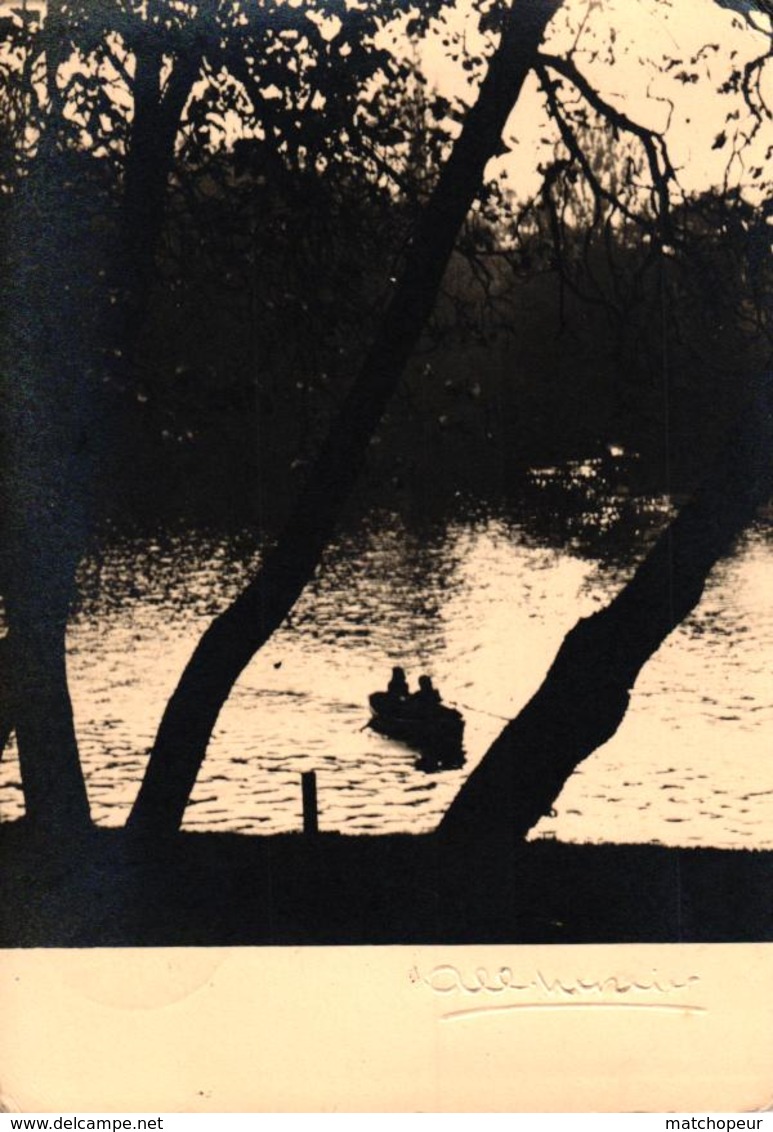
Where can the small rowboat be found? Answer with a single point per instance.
(432, 729)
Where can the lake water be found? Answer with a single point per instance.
(479, 603)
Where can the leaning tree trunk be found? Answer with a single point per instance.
(236, 635)
(585, 694)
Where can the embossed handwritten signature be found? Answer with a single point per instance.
(541, 992)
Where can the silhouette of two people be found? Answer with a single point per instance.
(426, 697)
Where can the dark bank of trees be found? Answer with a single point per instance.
(88, 182)
(110, 190)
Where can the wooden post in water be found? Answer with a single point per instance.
(309, 789)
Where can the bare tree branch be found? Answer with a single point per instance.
(661, 170)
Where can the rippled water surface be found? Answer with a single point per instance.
(479, 606)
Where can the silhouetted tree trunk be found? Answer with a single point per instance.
(585, 694)
(49, 437)
(235, 636)
(57, 325)
(150, 159)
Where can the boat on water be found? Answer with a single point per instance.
(432, 729)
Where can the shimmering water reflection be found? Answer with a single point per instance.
(482, 609)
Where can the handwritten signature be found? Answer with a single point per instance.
(540, 991)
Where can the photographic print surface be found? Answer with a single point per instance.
(386, 473)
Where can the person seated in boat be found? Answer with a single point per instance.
(427, 696)
(397, 687)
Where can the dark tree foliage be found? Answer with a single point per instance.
(96, 97)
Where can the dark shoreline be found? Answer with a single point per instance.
(236, 890)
